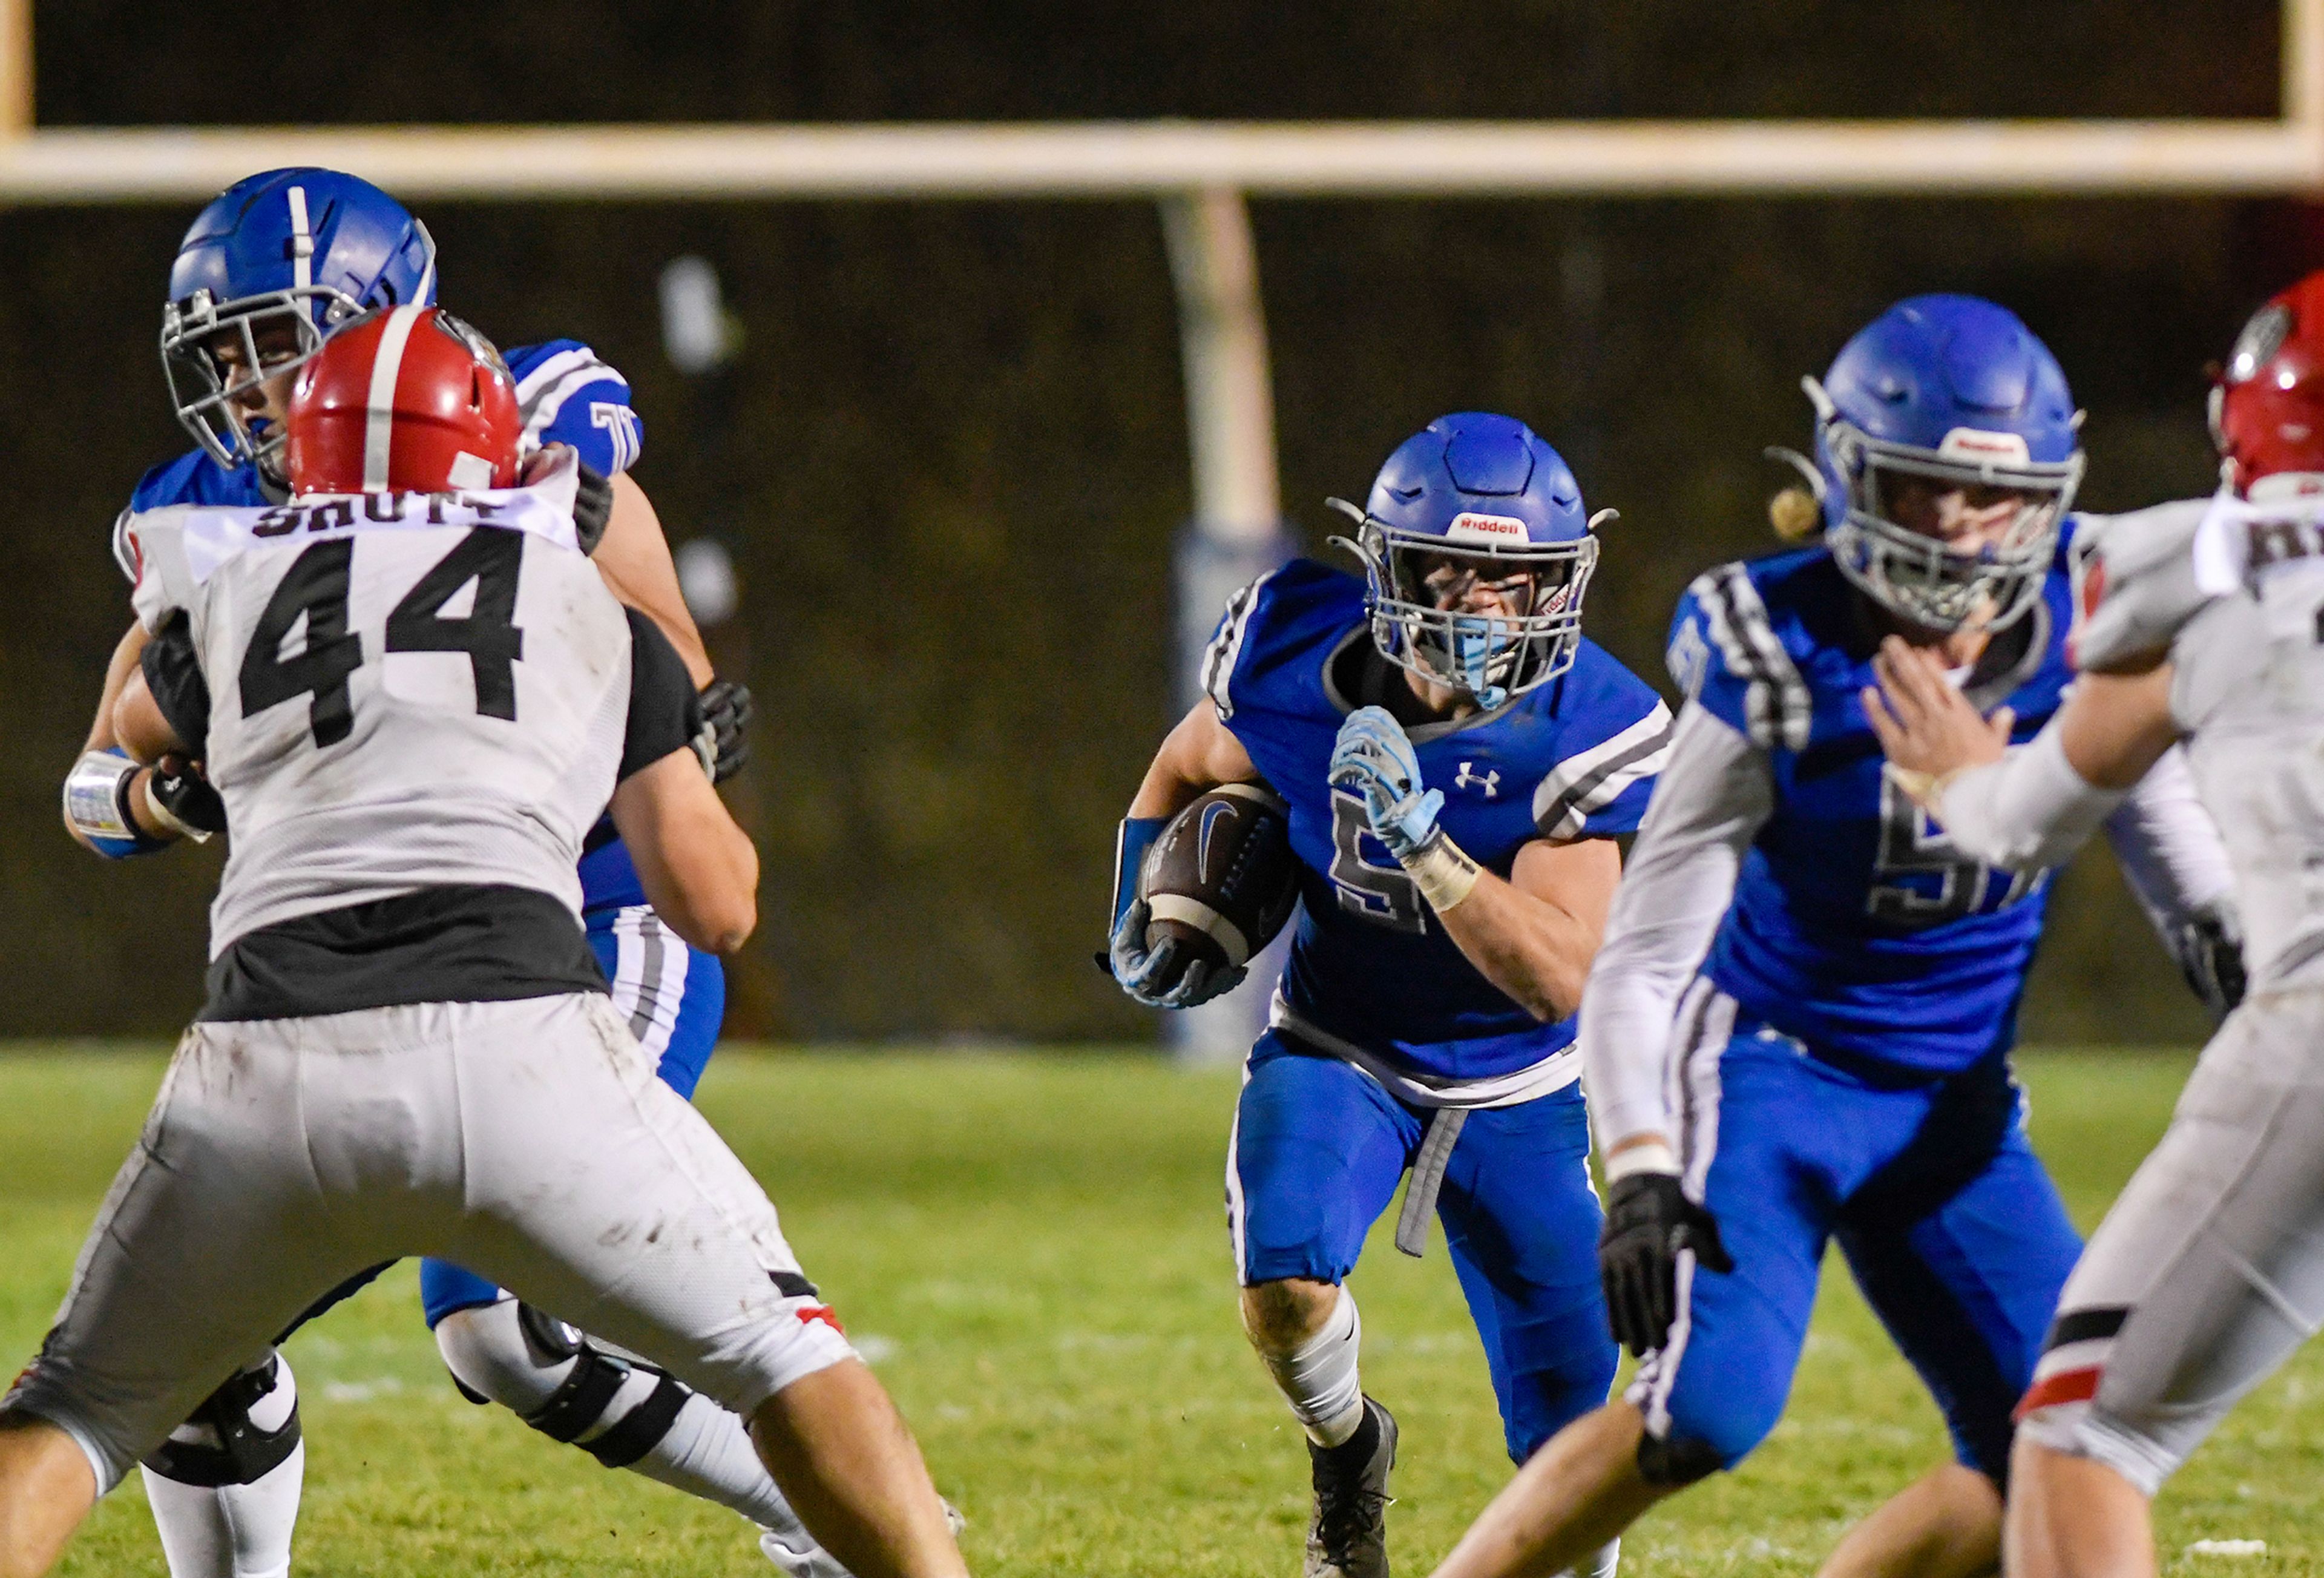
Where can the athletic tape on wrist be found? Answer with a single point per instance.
(1442, 871)
(1651, 1156)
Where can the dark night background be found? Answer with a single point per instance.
(951, 456)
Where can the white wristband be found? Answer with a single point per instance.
(1651, 1156)
(1443, 873)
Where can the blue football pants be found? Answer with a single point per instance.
(1318, 1150)
(675, 999)
(1952, 1227)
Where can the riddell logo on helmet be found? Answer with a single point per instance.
(1470, 527)
(1977, 444)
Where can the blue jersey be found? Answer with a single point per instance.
(565, 395)
(1855, 926)
(1369, 964)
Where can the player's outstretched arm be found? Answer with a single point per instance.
(700, 872)
(1710, 801)
(2027, 807)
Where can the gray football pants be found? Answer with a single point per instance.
(2208, 1271)
(529, 1140)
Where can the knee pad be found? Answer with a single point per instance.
(1674, 1463)
(558, 1382)
(241, 1433)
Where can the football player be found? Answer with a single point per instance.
(414, 702)
(266, 272)
(2196, 620)
(1458, 760)
(1798, 1028)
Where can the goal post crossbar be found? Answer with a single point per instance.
(1152, 158)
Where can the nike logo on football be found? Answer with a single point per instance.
(1211, 814)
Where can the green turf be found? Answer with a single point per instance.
(1032, 1248)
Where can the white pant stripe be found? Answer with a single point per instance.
(1705, 1021)
(648, 981)
(1234, 1183)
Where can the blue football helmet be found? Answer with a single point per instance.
(1956, 390)
(1475, 499)
(309, 249)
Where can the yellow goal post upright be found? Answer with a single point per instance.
(1201, 173)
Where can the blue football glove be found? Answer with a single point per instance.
(1374, 757)
(1164, 976)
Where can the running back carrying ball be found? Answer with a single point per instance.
(1221, 879)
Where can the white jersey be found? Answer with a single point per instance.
(402, 691)
(2236, 590)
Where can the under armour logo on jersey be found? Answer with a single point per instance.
(1489, 781)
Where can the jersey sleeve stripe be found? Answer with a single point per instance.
(546, 402)
(1220, 657)
(1778, 700)
(1583, 785)
(549, 370)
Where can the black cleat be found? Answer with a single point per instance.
(1349, 1537)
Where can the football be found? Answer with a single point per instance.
(1221, 878)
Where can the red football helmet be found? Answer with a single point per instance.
(2267, 409)
(410, 400)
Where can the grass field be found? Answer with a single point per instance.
(1031, 1250)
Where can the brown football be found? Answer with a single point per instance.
(1221, 878)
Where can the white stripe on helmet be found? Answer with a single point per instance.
(303, 241)
(379, 420)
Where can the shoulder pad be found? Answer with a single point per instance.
(2134, 582)
(1225, 651)
(1273, 617)
(569, 395)
(194, 478)
(151, 546)
(1725, 652)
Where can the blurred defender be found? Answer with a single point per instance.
(414, 704)
(1457, 758)
(1798, 1028)
(267, 271)
(2200, 620)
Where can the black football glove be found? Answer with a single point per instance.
(593, 506)
(1648, 1221)
(2211, 958)
(186, 797)
(727, 709)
